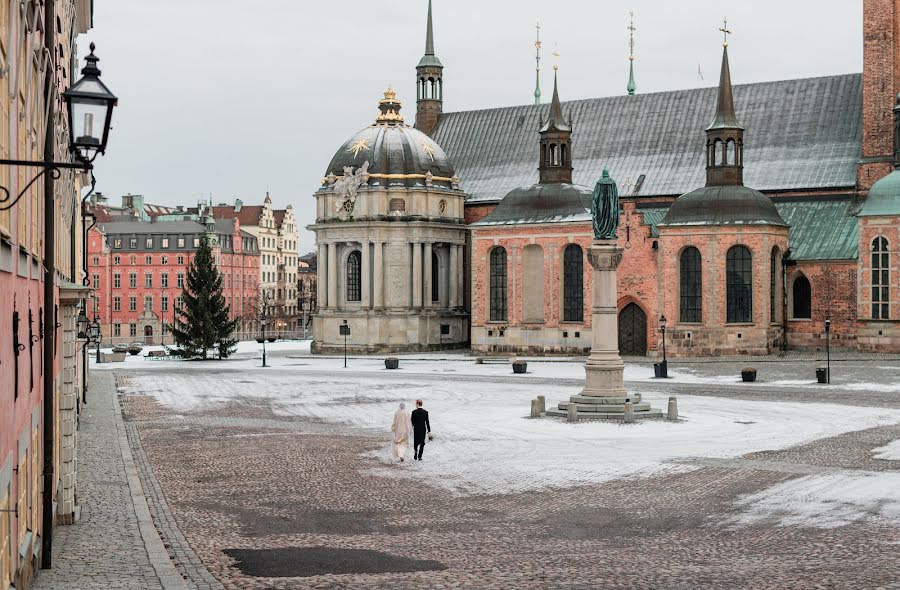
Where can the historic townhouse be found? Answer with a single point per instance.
(277, 236)
(138, 270)
(38, 62)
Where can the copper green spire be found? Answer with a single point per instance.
(631, 85)
(429, 59)
(725, 116)
(556, 120)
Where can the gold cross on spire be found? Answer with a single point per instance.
(631, 30)
(725, 30)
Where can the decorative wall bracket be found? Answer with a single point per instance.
(55, 169)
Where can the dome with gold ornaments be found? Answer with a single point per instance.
(392, 154)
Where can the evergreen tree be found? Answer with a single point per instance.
(202, 322)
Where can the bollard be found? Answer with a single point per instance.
(629, 413)
(573, 412)
(542, 403)
(535, 409)
(673, 409)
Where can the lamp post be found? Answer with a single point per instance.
(828, 350)
(663, 371)
(262, 324)
(345, 331)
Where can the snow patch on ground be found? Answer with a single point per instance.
(890, 451)
(484, 443)
(824, 501)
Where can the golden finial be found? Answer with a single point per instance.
(555, 56)
(725, 31)
(389, 107)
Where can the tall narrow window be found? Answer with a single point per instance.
(573, 284)
(739, 285)
(773, 286)
(881, 262)
(691, 293)
(435, 277)
(498, 285)
(354, 280)
(802, 295)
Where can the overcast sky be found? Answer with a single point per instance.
(229, 97)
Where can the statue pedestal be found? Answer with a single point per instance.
(604, 395)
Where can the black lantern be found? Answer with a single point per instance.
(83, 324)
(93, 331)
(90, 105)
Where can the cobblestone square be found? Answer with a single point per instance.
(279, 478)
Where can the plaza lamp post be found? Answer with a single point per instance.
(828, 351)
(345, 331)
(663, 371)
(262, 324)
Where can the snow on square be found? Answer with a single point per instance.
(485, 443)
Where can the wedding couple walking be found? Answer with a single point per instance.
(403, 425)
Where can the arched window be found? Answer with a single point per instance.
(739, 285)
(498, 285)
(717, 149)
(802, 295)
(573, 284)
(354, 282)
(691, 293)
(435, 277)
(563, 156)
(730, 154)
(544, 155)
(881, 263)
(553, 156)
(773, 285)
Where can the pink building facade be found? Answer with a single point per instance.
(139, 268)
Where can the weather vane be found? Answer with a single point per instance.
(725, 30)
(537, 57)
(631, 30)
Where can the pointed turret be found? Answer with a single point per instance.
(429, 84)
(725, 136)
(556, 142)
(631, 88)
(725, 116)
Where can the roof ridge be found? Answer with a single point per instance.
(645, 95)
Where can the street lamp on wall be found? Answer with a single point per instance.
(90, 105)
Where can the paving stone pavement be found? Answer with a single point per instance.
(114, 544)
(240, 480)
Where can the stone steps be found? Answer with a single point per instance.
(638, 415)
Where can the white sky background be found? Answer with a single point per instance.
(229, 97)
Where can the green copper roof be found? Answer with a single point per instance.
(884, 197)
(631, 85)
(820, 229)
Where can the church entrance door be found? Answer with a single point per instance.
(632, 331)
(148, 335)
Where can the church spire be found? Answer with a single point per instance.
(725, 135)
(556, 141)
(429, 84)
(537, 76)
(631, 85)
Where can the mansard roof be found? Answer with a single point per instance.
(802, 134)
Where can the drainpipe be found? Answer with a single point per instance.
(49, 291)
(784, 314)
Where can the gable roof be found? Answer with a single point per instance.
(248, 215)
(821, 229)
(801, 134)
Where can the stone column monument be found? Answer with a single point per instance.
(604, 395)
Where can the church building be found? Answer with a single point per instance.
(786, 215)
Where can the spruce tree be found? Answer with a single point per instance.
(202, 323)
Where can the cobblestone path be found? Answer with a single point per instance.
(114, 544)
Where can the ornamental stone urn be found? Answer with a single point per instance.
(391, 362)
(519, 367)
(748, 375)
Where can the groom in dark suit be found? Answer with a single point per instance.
(421, 427)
